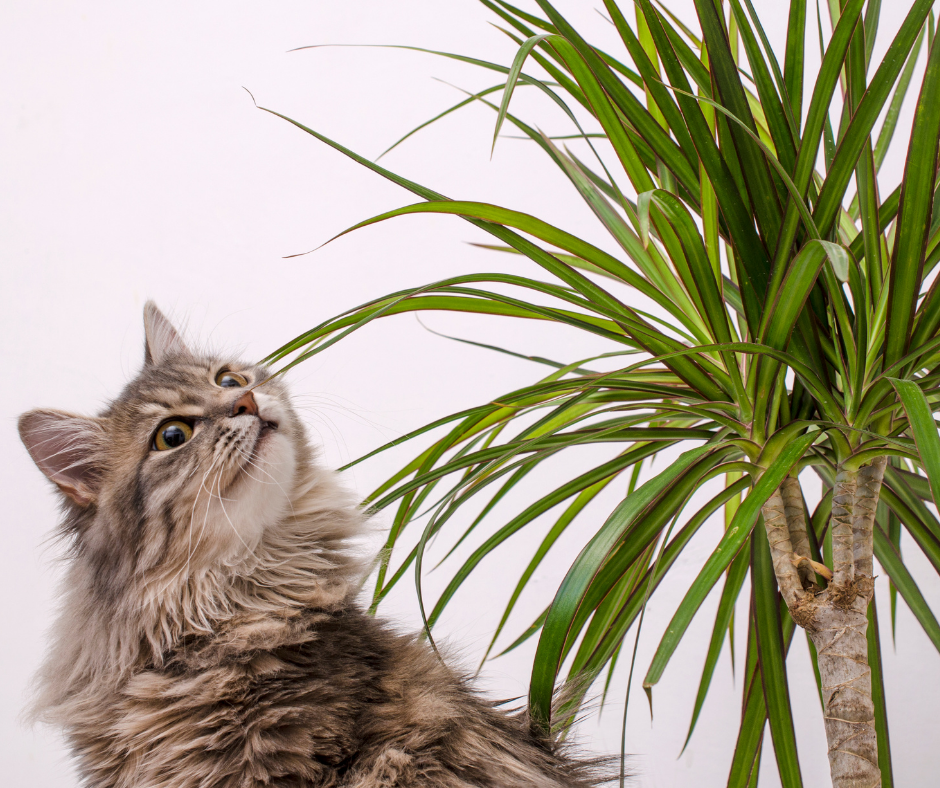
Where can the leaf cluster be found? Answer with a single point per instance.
(767, 303)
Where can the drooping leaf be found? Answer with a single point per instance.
(721, 557)
(772, 653)
(924, 427)
(569, 595)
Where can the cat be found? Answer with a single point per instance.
(210, 634)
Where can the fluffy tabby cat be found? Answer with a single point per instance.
(210, 635)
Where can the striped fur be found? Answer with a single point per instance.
(210, 636)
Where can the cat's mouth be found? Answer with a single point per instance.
(268, 427)
(251, 452)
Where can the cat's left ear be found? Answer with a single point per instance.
(67, 449)
(162, 339)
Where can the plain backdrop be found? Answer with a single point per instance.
(134, 165)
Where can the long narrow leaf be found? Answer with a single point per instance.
(888, 557)
(924, 427)
(577, 580)
(772, 660)
(722, 556)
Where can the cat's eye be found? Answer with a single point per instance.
(230, 380)
(171, 434)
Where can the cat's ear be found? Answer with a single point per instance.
(162, 339)
(67, 449)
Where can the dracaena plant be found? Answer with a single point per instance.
(787, 327)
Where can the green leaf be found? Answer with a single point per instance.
(913, 224)
(769, 157)
(795, 289)
(866, 114)
(916, 518)
(643, 215)
(658, 96)
(558, 528)
(695, 270)
(782, 316)
(816, 118)
(665, 290)
(893, 565)
(644, 123)
(690, 60)
(924, 427)
(734, 537)
(772, 660)
(446, 112)
(633, 162)
(729, 595)
(514, 71)
(776, 111)
(746, 758)
(570, 593)
(534, 627)
(494, 214)
(878, 697)
(894, 108)
(793, 59)
(751, 253)
(724, 70)
(643, 532)
(610, 61)
(488, 215)
(542, 505)
(617, 628)
(919, 485)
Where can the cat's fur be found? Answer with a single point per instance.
(210, 635)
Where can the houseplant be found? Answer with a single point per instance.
(784, 322)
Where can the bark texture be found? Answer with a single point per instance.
(843, 508)
(781, 551)
(866, 504)
(796, 524)
(836, 618)
(839, 635)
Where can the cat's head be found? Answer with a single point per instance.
(182, 473)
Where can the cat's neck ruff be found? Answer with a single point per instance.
(308, 560)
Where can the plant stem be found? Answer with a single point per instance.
(836, 618)
(866, 504)
(837, 623)
(781, 551)
(796, 525)
(840, 637)
(843, 505)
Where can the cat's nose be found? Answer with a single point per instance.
(245, 405)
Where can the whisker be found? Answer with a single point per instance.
(247, 457)
(192, 517)
(234, 529)
(205, 521)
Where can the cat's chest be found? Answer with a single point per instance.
(280, 713)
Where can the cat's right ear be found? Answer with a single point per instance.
(67, 449)
(162, 339)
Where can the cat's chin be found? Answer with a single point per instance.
(267, 433)
(260, 495)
